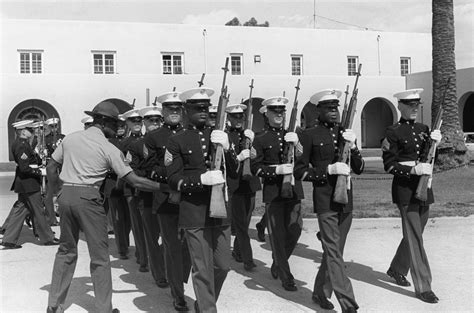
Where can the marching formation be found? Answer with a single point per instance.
(182, 176)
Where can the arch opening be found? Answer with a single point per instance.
(376, 116)
(467, 113)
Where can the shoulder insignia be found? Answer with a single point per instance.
(24, 156)
(385, 145)
(168, 158)
(145, 151)
(128, 157)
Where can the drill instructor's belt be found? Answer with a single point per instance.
(82, 185)
(408, 163)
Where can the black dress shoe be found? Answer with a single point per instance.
(9, 245)
(163, 283)
(260, 232)
(115, 311)
(289, 285)
(180, 305)
(51, 309)
(350, 309)
(248, 266)
(428, 296)
(123, 256)
(323, 302)
(53, 242)
(399, 278)
(274, 270)
(237, 257)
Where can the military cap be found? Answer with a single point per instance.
(169, 97)
(411, 96)
(52, 121)
(197, 97)
(130, 114)
(23, 124)
(150, 111)
(236, 108)
(326, 97)
(273, 102)
(87, 119)
(106, 109)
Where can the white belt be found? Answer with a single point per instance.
(408, 163)
(81, 185)
(34, 166)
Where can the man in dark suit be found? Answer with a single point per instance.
(28, 186)
(319, 165)
(403, 148)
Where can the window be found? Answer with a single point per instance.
(352, 64)
(172, 63)
(31, 62)
(236, 64)
(405, 66)
(104, 62)
(296, 65)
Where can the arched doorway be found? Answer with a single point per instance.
(258, 122)
(34, 109)
(377, 114)
(122, 106)
(466, 112)
(309, 115)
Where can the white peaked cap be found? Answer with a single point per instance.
(169, 97)
(409, 95)
(236, 108)
(325, 95)
(201, 93)
(150, 111)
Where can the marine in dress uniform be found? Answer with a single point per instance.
(242, 189)
(151, 228)
(52, 140)
(403, 148)
(27, 185)
(115, 202)
(283, 214)
(134, 124)
(86, 157)
(178, 264)
(319, 165)
(187, 160)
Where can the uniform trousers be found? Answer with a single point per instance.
(81, 208)
(334, 227)
(242, 206)
(121, 221)
(177, 260)
(137, 230)
(33, 204)
(411, 254)
(284, 228)
(209, 249)
(151, 228)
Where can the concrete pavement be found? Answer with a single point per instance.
(26, 273)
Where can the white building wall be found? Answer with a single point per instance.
(68, 82)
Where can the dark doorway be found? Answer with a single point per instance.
(258, 121)
(34, 109)
(309, 115)
(376, 116)
(468, 114)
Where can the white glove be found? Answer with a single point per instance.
(220, 137)
(43, 171)
(436, 135)
(291, 137)
(244, 154)
(423, 169)
(349, 136)
(211, 178)
(338, 168)
(249, 134)
(284, 169)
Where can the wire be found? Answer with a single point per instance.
(348, 24)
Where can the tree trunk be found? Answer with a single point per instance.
(452, 150)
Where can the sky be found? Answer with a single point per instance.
(378, 15)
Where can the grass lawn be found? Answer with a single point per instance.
(454, 194)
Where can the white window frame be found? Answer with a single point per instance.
(405, 69)
(171, 69)
(239, 69)
(31, 64)
(102, 68)
(352, 66)
(294, 68)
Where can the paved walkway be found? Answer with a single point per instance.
(26, 273)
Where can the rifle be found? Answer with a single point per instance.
(246, 173)
(154, 102)
(289, 152)
(201, 82)
(343, 182)
(344, 111)
(217, 206)
(422, 188)
(42, 154)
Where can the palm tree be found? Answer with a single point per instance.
(452, 150)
